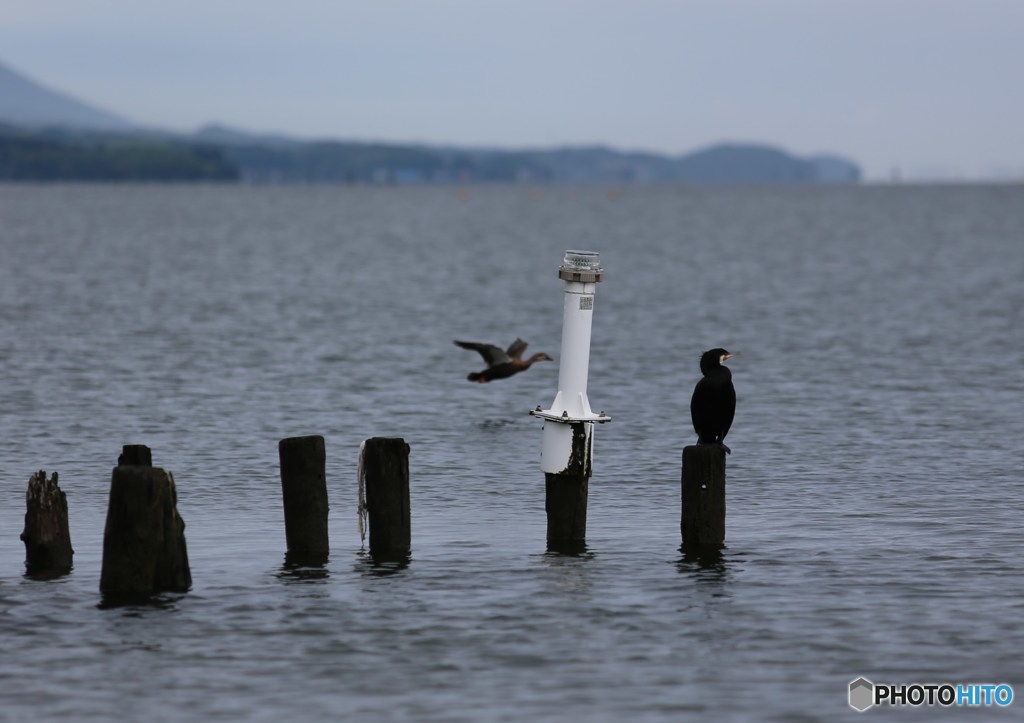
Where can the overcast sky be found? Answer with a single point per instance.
(934, 88)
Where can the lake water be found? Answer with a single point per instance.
(875, 489)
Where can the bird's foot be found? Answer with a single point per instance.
(727, 450)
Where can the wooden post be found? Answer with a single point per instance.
(304, 489)
(703, 497)
(385, 470)
(565, 502)
(135, 454)
(565, 494)
(144, 549)
(47, 536)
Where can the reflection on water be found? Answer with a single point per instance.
(304, 567)
(381, 564)
(571, 571)
(568, 548)
(708, 567)
(47, 574)
(136, 605)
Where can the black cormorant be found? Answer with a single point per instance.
(501, 364)
(713, 403)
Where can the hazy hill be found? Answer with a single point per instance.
(275, 159)
(744, 163)
(589, 164)
(57, 155)
(47, 135)
(27, 103)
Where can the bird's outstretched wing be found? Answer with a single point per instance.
(515, 349)
(492, 354)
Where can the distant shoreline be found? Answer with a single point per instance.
(75, 155)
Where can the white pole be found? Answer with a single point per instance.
(574, 361)
(580, 270)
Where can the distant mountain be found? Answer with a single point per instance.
(599, 164)
(222, 135)
(58, 155)
(47, 135)
(261, 158)
(729, 163)
(724, 163)
(23, 102)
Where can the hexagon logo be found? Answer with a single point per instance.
(862, 694)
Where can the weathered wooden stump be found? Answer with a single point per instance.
(47, 535)
(703, 497)
(304, 489)
(135, 454)
(565, 501)
(144, 550)
(565, 494)
(385, 476)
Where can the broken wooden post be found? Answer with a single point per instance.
(304, 489)
(384, 496)
(703, 497)
(144, 550)
(135, 454)
(47, 536)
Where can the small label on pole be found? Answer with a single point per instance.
(586, 303)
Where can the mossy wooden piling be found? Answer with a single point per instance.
(385, 472)
(702, 522)
(565, 494)
(144, 549)
(304, 490)
(47, 534)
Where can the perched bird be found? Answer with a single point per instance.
(713, 403)
(501, 364)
